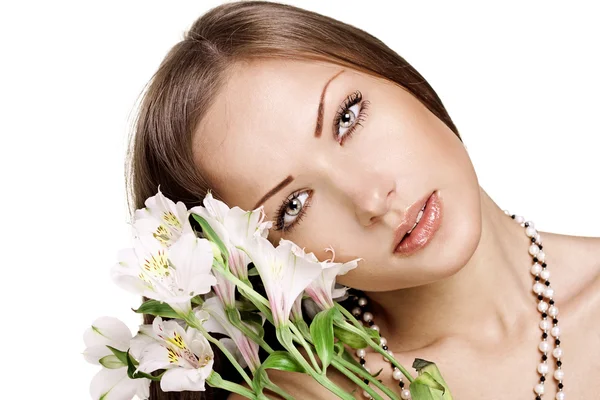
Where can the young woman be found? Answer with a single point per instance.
(344, 144)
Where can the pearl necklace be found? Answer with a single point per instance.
(548, 310)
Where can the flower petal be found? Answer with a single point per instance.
(114, 384)
(105, 331)
(180, 379)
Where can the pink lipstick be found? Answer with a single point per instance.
(425, 229)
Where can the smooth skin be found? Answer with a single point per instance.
(465, 300)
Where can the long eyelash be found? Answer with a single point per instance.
(280, 215)
(351, 100)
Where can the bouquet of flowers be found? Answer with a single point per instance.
(194, 267)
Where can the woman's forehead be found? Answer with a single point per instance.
(261, 119)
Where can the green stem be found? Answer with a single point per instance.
(239, 282)
(235, 320)
(215, 380)
(348, 315)
(284, 337)
(377, 347)
(298, 335)
(276, 389)
(340, 362)
(355, 379)
(192, 321)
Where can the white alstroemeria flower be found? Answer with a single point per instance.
(224, 289)
(246, 350)
(323, 289)
(162, 219)
(186, 355)
(284, 275)
(235, 227)
(297, 308)
(112, 382)
(173, 275)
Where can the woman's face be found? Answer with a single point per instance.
(349, 186)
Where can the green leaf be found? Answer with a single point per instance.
(132, 365)
(244, 305)
(303, 327)
(253, 272)
(197, 300)
(425, 387)
(429, 368)
(111, 362)
(211, 235)
(283, 361)
(373, 334)
(321, 332)
(351, 339)
(121, 355)
(154, 307)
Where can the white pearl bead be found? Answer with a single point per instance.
(405, 394)
(538, 288)
(361, 353)
(549, 292)
(375, 327)
(367, 317)
(539, 388)
(544, 324)
(531, 224)
(542, 306)
(362, 301)
(390, 353)
(519, 219)
(555, 331)
(560, 396)
(553, 311)
(557, 352)
(544, 346)
(543, 368)
(356, 311)
(559, 374)
(530, 231)
(538, 238)
(397, 374)
(545, 274)
(534, 249)
(382, 341)
(506, 212)
(366, 394)
(541, 256)
(536, 269)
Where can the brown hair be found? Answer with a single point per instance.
(179, 94)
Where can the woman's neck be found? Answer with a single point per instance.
(486, 300)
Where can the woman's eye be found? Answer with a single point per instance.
(350, 116)
(291, 210)
(347, 120)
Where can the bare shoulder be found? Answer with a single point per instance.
(301, 386)
(574, 263)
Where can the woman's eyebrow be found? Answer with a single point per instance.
(320, 111)
(276, 189)
(318, 131)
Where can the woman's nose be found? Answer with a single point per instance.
(373, 201)
(371, 193)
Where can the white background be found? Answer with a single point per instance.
(519, 79)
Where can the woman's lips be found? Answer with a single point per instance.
(422, 234)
